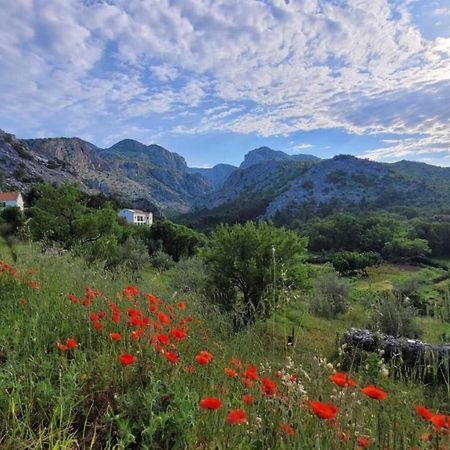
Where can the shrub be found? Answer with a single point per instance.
(189, 276)
(395, 317)
(353, 262)
(161, 261)
(330, 296)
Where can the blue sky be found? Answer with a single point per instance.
(213, 79)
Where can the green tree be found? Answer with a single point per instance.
(243, 261)
(406, 248)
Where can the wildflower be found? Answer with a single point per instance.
(278, 374)
(72, 298)
(204, 357)
(237, 417)
(424, 412)
(97, 325)
(235, 362)
(440, 421)
(115, 336)
(342, 379)
(135, 335)
(287, 429)
(71, 343)
(126, 359)
(181, 305)
(363, 441)
(248, 399)
(293, 378)
(130, 291)
(251, 372)
(230, 372)
(212, 403)
(374, 392)
(62, 347)
(268, 387)
(171, 357)
(247, 383)
(163, 338)
(101, 314)
(23, 301)
(163, 318)
(326, 411)
(178, 334)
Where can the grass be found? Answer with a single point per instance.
(84, 397)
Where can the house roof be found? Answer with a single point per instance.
(136, 211)
(9, 196)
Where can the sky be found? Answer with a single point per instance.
(213, 79)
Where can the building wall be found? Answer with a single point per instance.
(127, 215)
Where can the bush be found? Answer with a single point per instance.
(330, 296)
(353, 262)
(395, 317)
(189, 276)
(161, 261)
(131, 255)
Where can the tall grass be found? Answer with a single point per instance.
(84, 398)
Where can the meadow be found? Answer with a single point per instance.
(103, 360)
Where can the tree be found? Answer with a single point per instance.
(353, 262)
(406, 248)
(243, 261)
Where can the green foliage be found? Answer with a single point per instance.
(353, 262)
(330, 296)
(400, 248)
(11, 220)
(161, 260)
(394, 316)
(176, 240)
(247, 260)
(189, 276)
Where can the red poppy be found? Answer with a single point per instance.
(115, 336)
(251, 372)
(293, 378)
(73, 298)
(248, 399)
(101, 314)
(163, 338)
(181, 305)
(23, 301)
(374, 392)
(62, 347)
(204, 357)
(136, 334)
(93, 317)
(440, 421)
(247, 383)
(278, 374)
(363, 441)
(171, 357)
(163, 318)
(130, 291)
(326, 411)
(98, 325)
(268, 386)
(342, 379)
(237, 417)
(126, 359)
(230, 372)
(235, 362)
(178, 334)
(287, 429)
(71, 343)
(210, 403)
(424, 412)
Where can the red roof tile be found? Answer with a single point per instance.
(8, 196)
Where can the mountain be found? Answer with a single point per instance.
(291, 189)
(215, 175)
(140, 175)
(267, 154)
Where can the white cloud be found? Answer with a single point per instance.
(268, 67)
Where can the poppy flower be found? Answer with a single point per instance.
(287, 429)
(101, 314)
(423, 412)
(72, 298)
(440, 421)
(237, 417)
(23, 301)
(235, 361)
(135, 335)
(251, 372)
(342, 379)
(62, 347)
(163, 318)
(326, 411)
(130, 291)
(71, 343)
(293, 378)
(203, 357)
(247, 383)
(93, 317)
(181, 305)
(363, 441)
(171, 357)
(230, 372)
(248, 399)
(163, 338)
(268, 387)
(126, 359)
(278, 374)
(374, 392)
(212, 403)
(98, 325)
(178, 334)
(115, 336)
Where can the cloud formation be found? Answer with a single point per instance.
(266, 67)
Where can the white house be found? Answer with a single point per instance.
(11, 199)
(136, 216)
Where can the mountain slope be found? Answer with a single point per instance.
(215, 175)
(267, 154)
